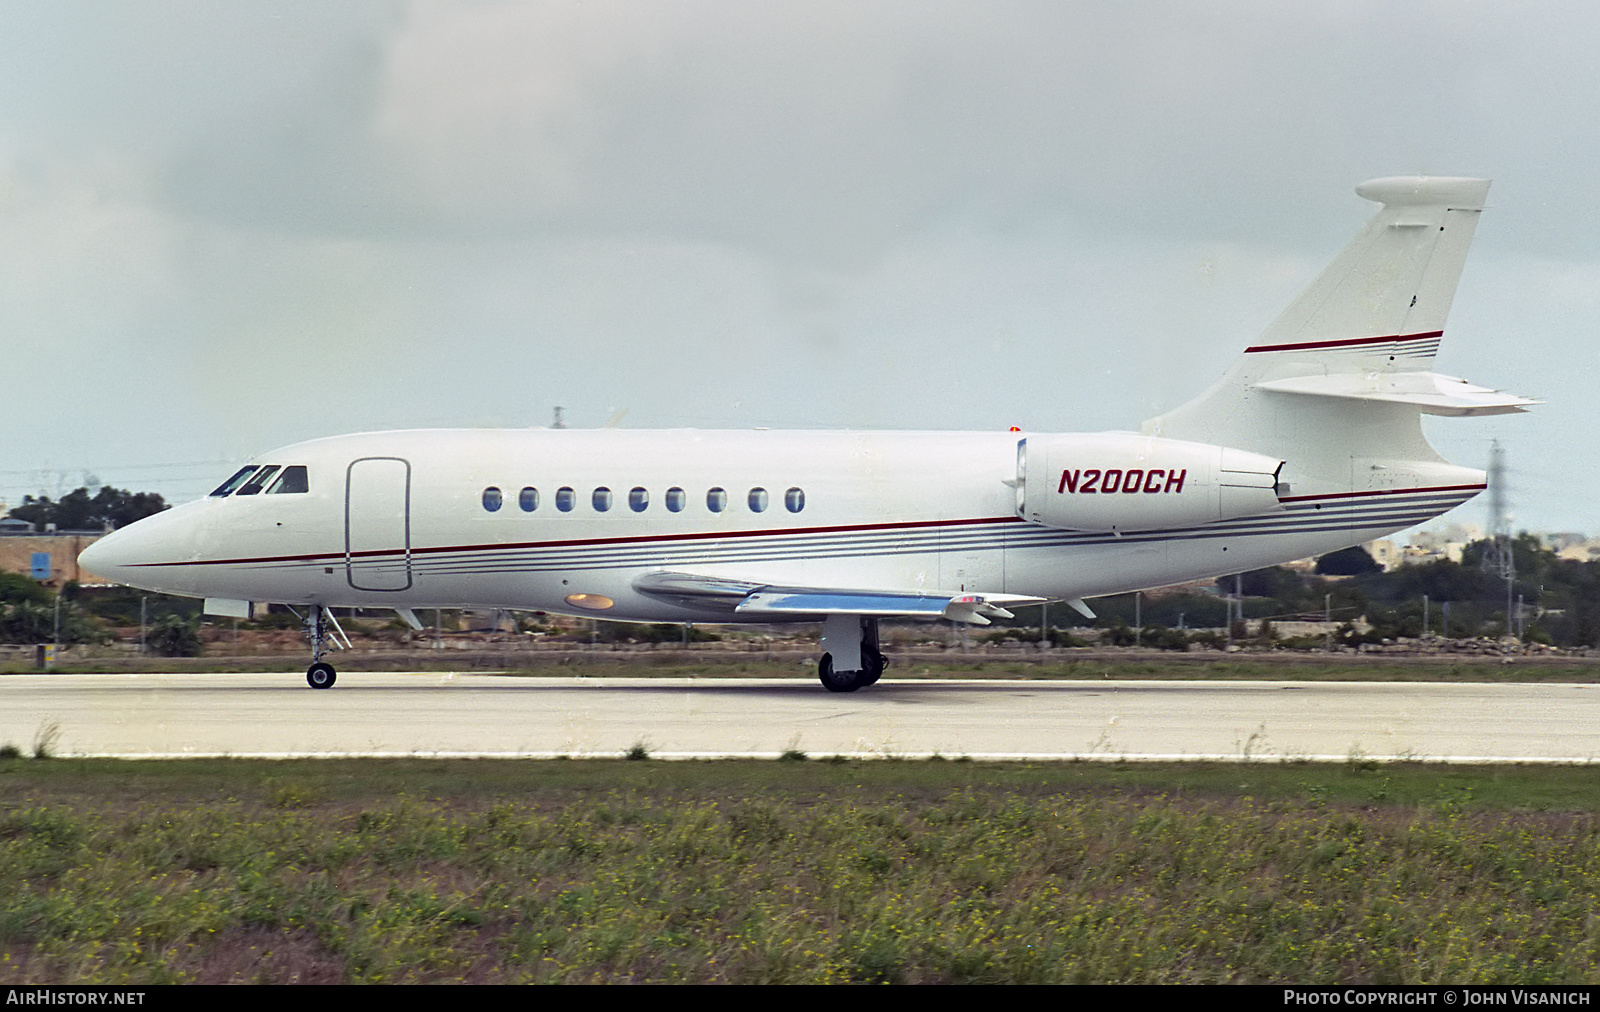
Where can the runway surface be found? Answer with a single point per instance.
(434, 714)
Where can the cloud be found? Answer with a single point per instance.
(827, 133)
(255, 223)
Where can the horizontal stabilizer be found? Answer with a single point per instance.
(1428, 392)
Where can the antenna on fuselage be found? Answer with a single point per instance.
(559, 423)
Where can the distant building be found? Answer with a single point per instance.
(1384, 553)
(1572, 546)
(52, 559)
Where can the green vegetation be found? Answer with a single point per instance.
(1347, 562)
(28, 614)
(795, 872)
(1561, 599)
(172, 636)
(639, 632)
(120, 606)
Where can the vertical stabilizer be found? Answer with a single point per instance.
(1385, 298)
(1337, 384)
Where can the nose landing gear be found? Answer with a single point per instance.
(322, 629)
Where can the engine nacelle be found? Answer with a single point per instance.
(1122, 481)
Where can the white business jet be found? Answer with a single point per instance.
(1310, 443)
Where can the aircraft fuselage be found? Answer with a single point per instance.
(579, 517)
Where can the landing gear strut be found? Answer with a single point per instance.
(854, 640)
(322, 629)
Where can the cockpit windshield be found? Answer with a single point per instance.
(252, 479)
(228, 486)
(253, 486)
(293, 479)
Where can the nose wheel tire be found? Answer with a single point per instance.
(321, 676)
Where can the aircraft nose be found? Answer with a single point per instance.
(110, 557)
(142, 553)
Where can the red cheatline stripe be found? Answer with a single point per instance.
(643, 539)
(1351, 343)
(1387, 491)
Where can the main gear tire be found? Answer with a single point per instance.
(837, 681)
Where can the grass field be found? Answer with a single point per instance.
(795, 871)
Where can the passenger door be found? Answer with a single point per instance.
(377, 524)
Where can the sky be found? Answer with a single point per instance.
(229, 227)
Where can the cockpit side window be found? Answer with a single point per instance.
(238, 479)
(253, 486)
(293, 479)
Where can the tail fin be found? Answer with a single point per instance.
(1337, 385)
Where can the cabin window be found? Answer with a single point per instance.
(238, 479)
(564, 499)
(675, 500)
(717, 500)
(528, 499)
(758, 500)
(794, 500)
(253, 486)
(491, 499)
(293, 479)
(638, 499)
(601, 499)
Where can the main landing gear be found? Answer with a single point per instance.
(851, 657)
(322, 629)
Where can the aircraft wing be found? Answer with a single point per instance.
(785, 602)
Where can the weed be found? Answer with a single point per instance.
(1257, 737)
(44, 741)
(10, 751)
(1359, 762)
(792, 755)
(637, 752)
(293, 796)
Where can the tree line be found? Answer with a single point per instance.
(79, 511)
(1560, 600)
